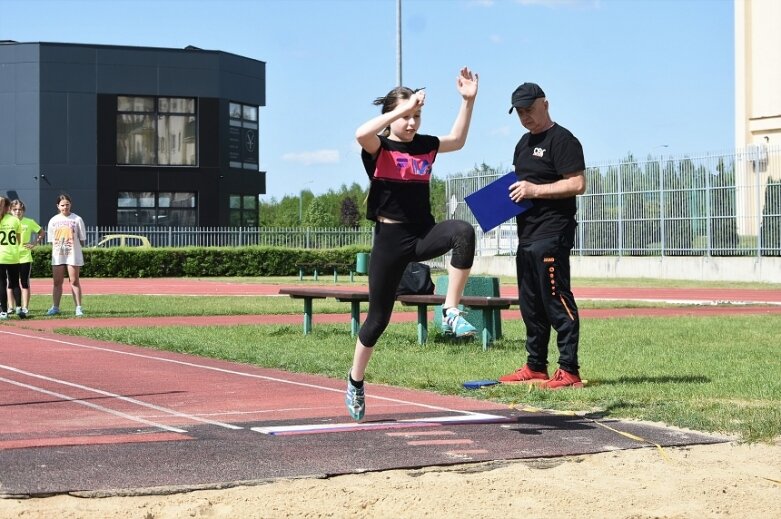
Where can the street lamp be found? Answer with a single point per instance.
(398, 42)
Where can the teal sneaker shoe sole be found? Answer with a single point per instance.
(355, 400)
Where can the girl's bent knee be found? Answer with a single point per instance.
(463, 246)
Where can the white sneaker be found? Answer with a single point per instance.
(3, 315)
(22, 313)
(79, 311)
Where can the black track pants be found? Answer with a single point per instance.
(547, 302)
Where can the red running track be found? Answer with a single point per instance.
(107, 416)
(207, 287)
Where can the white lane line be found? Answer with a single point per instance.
(684, 302)
(396, 424)
(116, 396)
(239, 373)
(93, 406)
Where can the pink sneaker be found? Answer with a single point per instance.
(524, 375)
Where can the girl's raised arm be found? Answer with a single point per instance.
(466, 83)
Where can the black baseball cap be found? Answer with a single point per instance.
(524, 96)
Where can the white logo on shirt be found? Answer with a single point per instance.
(539, 152)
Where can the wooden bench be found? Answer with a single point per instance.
(354, 297)
(487, 305)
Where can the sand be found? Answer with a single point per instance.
(728, 480)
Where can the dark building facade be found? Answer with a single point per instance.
(135, 135)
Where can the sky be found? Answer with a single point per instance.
(646, 77)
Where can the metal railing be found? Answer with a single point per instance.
(726, 204)
(290, 237)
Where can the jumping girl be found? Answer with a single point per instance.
(398, 161)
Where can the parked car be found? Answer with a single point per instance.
(124, 240)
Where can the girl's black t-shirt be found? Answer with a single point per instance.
(544, 158)
(400, 176)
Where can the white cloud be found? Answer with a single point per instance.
(495, 38)
(308, 158)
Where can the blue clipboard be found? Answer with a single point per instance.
(492, 204)
(477, 384)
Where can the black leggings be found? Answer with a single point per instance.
(397, 244)
(9, 273)
(24, 281)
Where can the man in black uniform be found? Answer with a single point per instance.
(550, 167)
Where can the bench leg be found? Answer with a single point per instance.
(489, 327)
(355, 317)
(422, 324)
(307, 315)
(496, 328)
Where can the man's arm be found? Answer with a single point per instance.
(571, 185)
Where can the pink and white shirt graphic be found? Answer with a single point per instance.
(398, 166)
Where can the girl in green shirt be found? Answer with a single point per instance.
(32, 235)
(10, 229)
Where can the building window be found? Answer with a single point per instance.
(157, 131)
(243, 211)
(243, 136)
(163, 208)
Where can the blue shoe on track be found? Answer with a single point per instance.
(53, 311)
(455, 324)
(355, 400)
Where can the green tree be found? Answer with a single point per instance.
(639, 225)
(770, 233)
(318, 215)
(279, 214)
(438, 193)
(723, 213)
(350, 217)
(678, 230)
(599, 230)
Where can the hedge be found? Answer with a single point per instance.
(202, 261)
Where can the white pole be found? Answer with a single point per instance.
(398, 43)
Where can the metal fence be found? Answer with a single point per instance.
(291, 237)
(725, 204)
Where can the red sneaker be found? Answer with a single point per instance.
(563, 379)
(524, 375)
